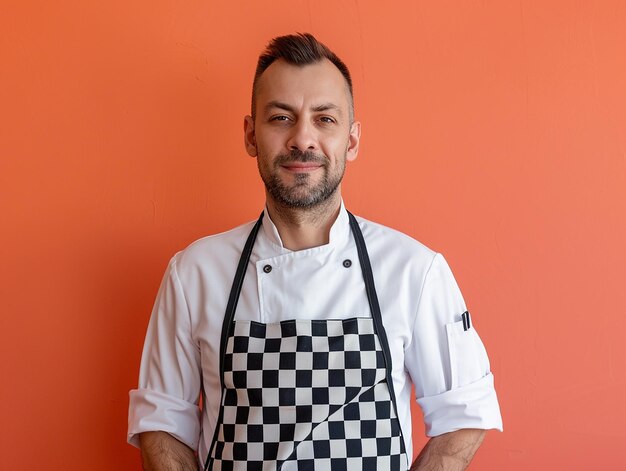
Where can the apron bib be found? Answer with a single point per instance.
(306, 394)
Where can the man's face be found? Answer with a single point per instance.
(302, 135)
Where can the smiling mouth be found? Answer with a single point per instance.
(300, 167)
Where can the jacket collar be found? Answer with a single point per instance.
(339, 232)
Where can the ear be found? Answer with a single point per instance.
(249, 136)
(353, 141)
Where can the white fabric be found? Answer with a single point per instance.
(421, 309)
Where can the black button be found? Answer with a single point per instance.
(347, 263)
(267, 268)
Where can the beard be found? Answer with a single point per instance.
(302, 192)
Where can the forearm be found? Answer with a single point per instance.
(449, 452)
(162, 452)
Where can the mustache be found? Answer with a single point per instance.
(296, 155)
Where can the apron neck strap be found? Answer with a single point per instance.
(235, 291)
(372, 297)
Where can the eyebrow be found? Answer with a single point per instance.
(291, 109)
(326, 107)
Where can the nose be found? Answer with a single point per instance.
(303, 137)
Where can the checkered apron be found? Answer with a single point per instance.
(306, 394)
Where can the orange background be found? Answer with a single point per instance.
(493, 131)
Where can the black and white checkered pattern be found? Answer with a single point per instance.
(307, 395)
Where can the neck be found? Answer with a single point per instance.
(304, 228)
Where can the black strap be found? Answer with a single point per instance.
(235, 291)
(229, 315)
(372, 297)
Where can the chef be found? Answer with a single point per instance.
(293, 342)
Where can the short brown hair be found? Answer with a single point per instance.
(299, 49)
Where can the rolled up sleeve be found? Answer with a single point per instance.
(170, 375)
(472, 406)
(153, 410)
(447, 360)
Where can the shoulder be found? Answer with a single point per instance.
(391, 243)
(400, 254)
(213, 250)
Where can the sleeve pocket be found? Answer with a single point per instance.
(468, 358)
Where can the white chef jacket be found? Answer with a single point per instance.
(421, 309)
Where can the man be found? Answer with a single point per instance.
(304, 332)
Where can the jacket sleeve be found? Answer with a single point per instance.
(170, 375)
(447, 360)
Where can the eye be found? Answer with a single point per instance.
(327, 120)
(279, 118)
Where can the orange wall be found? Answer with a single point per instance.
(494, 132)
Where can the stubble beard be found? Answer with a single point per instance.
(301, 193)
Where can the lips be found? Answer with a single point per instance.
(301, 166)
